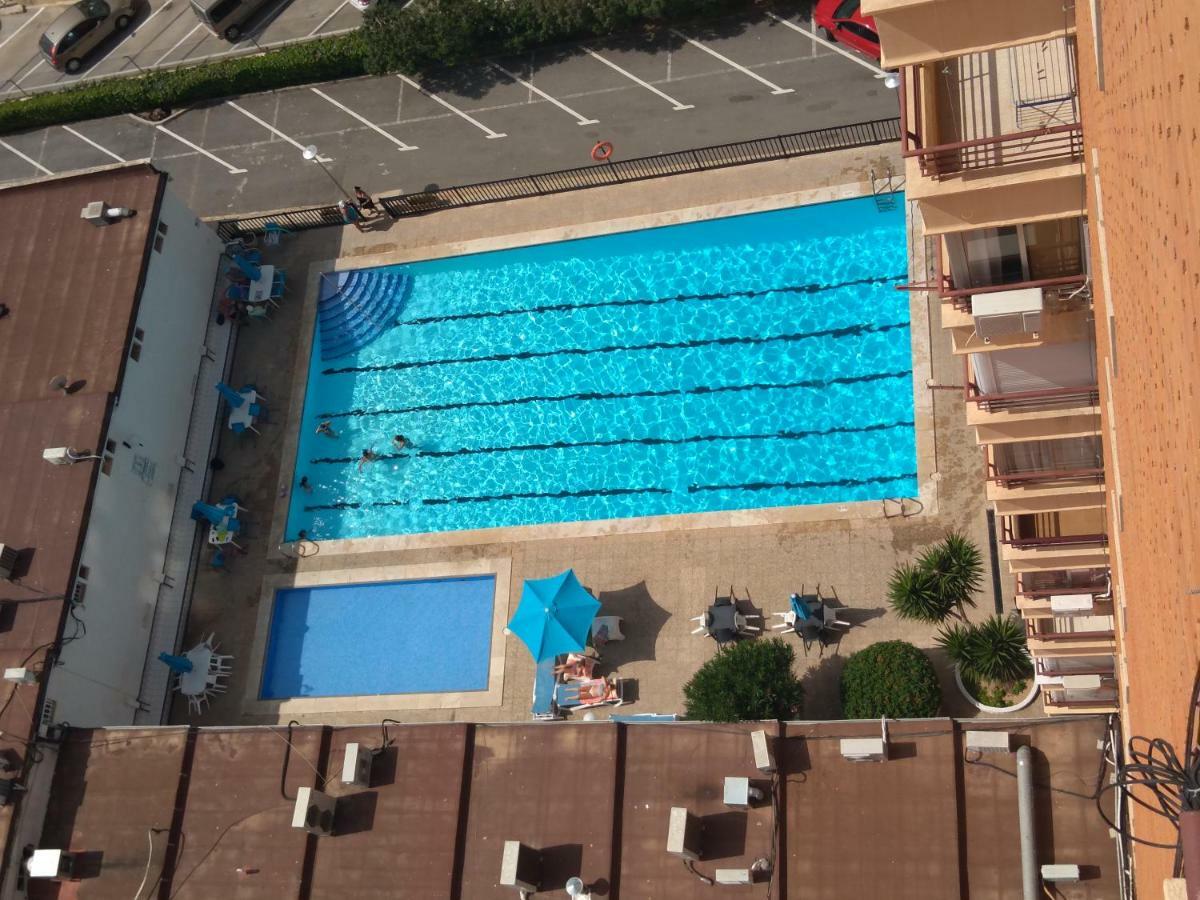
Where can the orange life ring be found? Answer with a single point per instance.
(602, 151)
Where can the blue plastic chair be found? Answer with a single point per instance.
(237, 292)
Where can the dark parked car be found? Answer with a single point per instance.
(80, 28)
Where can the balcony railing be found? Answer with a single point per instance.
(1050, 144)
(1040, 585)
(1047, 398)
(1033, 629)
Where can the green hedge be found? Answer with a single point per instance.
(893, 679)
(427, 34)
(320, 60)
(750, 681)
(434, 33)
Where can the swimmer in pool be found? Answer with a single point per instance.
(326, 429)
(305, 486)
(368, 456)
(400, 442)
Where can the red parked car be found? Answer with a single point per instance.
(842, 21)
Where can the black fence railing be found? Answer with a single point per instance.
(803, 143)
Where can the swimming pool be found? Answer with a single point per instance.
(397, 637)
(753, 361)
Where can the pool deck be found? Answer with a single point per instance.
(655, 572)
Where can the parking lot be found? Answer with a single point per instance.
(507, 117)
(165, 33)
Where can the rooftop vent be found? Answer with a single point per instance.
(740, 794)
(99, 213)
(314, 812)
(520, 867)
(20, 676)
(733, 876)
(763, 761)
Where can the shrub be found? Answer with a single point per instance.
(893, 679)
(749, 681)
(995, 649)
(430, 33)
(957, 567)
(954, 639)
(913, 593)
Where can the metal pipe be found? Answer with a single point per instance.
(1031, 879)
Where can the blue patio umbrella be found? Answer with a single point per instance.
(214, 515)
(248, 267)
(554, 616)
(176, 663)
(235, 399)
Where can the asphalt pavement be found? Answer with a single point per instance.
(650, 95)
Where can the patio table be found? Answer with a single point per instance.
(195, 682)
(722, 623)
(241, 414)
(260, 288)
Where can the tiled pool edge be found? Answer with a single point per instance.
(499, 567)
(922, 400)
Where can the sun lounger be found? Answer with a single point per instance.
(584, 694)
(543, 691)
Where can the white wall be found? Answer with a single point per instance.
(100, 673)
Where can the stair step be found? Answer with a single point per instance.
(367, 304)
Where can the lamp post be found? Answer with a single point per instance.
(310, 153)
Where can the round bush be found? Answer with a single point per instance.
(749, 681)
(893, 679)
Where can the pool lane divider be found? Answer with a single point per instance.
(617, 492)
(621, 442)
(815, 288)
(700, 390)
(730, 341)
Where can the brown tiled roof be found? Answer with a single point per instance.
(593, 798)
(71, 290)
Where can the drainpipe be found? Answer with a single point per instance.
(1031, 879)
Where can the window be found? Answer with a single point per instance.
(223, 10)
(93, 9)
(862, 31)
(106, 464)
(135, 346)
(162, 227)
(158, 244)
(846, 9)
(1016, 253)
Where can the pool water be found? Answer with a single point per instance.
(398, 637)
(752, 361)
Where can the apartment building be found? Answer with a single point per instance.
(993, 149)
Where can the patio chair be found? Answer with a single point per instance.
(272, 232)
(705, 621)
(278, 284)
(197, 703)
(237, 292)
(607, 628)
(743, 627)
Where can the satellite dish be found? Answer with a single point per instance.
(59, 383)
(574, 886)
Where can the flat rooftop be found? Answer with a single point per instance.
(207, 812)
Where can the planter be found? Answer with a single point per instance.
(1016, 707)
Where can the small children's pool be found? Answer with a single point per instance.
(396, 637)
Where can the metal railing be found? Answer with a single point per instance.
(1010, 535)
(1048, 398)
(1056, 142)
(785, 146)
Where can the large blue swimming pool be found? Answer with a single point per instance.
(754, 361)
(399, 637)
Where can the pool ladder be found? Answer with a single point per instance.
(884, 188)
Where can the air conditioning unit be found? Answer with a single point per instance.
(50, 864)
(520, 867)
(314, 812)
(356, 766)
(1071, 603)
(740, 794)
(1060, 872)
(864, 749)
(99, 213)
(733, 876)
(8, 561)
(1004, 313)
(58, 456)
(683, 835)
(20, 676)
(763, 761)
(989, 741)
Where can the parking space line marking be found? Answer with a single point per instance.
(37, 65)
(179, 43)
(675, 104)
(775, 89)
(275, 131)
(137, 27)
(233, 170)
(88, 140)
(400, 145)
(817, 39)
(21, 27)
(454, 109)
(325, 21)
(33, 162)
(579, 119)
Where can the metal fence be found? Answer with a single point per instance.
(785, 146)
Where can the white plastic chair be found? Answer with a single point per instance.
(197, 703)
(789, 620)
(703, 629)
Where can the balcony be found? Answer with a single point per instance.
(1042, 594)
(1067, 529)
(1077, 684)
(1071, 636)
(1033, 379)
(1016, 107)
(1070, 461)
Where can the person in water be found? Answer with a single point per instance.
(368, 456)
(400, 442)
(305, 486)
(326, 429)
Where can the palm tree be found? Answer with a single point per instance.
(913, 593)
(995, 649)
(957, 566)
(955, 639)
